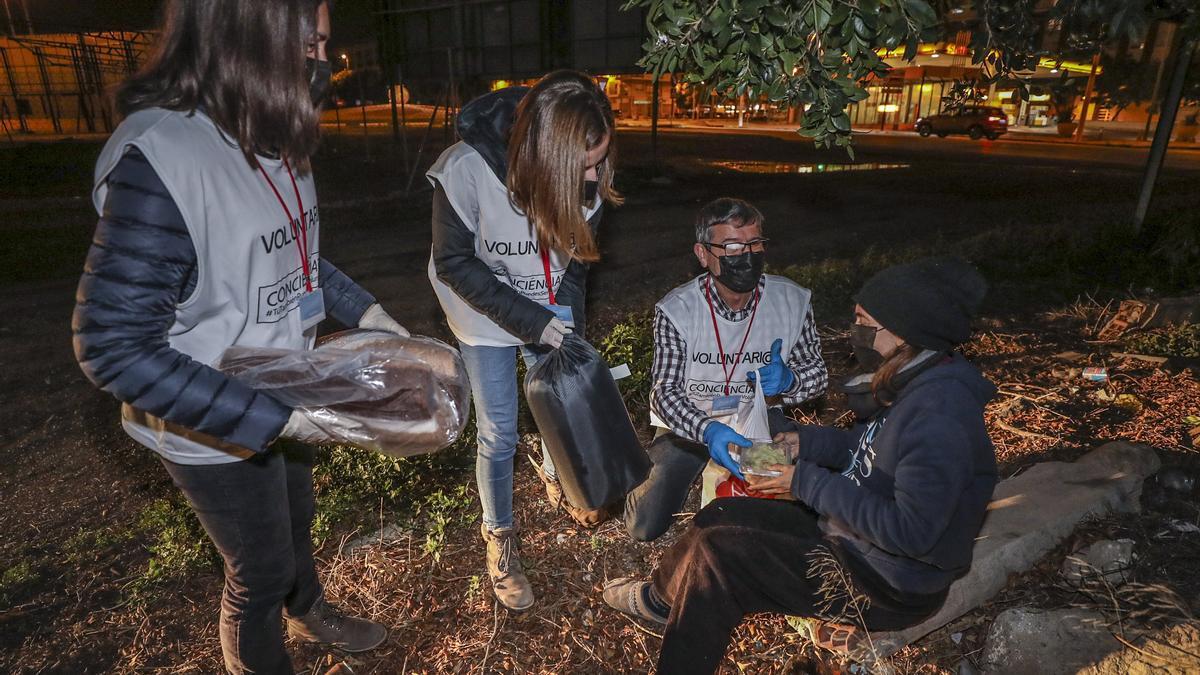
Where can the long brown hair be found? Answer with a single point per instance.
(243, 63)
(563, 117)
(883, 384)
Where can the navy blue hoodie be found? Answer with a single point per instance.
(906, 492)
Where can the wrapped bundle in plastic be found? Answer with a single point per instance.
(371, 389)
(585, 426)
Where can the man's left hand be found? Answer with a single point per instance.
(779, 487)
(377, 319)
(775, 377)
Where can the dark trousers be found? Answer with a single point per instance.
(743, 555)
(677, 462)
(258, 513)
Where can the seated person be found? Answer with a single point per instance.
(710, 337)
(895, 502)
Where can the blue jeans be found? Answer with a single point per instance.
(493, 375)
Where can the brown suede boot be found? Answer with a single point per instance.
(326, 625)
(589, 518)
(504, 568)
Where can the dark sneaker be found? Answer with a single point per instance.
(504, 568)
(626, 595)
(589, 518)
(328, 626)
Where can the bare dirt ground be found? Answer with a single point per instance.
(71, 483)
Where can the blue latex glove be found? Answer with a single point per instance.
(717, 437)
(776, 376)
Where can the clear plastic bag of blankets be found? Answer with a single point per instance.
(396, 395)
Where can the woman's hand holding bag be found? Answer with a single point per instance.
(553, 334)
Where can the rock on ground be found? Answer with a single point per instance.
(1032, 513)
(1105, 558)
(1025, 641)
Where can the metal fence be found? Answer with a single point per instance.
(61, 83)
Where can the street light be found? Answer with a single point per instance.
(346, 58)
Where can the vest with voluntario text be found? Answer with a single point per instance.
(504, 240)
(249, 274)
(780, 314)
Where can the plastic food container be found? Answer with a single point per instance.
(756, 459)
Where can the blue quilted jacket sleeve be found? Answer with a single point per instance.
(140, 267)
(345, 301)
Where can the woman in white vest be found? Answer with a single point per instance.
(515, 210)
(209, 238)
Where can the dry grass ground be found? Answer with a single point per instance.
(427, 582)
(83, 508)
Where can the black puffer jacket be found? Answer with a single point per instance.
(141, 266)
(484, 124)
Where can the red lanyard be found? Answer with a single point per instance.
(546, 267)
(299, 233)
(717, 331)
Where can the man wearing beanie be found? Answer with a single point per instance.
(897, 500)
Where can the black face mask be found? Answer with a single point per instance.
(740, 273)
(320, 74)
(590, 188)
(862, 341)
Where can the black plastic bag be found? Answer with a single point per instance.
(585, 426)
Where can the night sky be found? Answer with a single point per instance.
(352, 19)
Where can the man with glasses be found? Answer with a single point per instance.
(712, 336)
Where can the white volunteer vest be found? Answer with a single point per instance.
(504, 240)
(781, 312)
(249, 276)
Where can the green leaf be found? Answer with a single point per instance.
(840, 13)
(861, 30)
(777, 17)
(751, 7)
(788, 59)
(724, 34)
(822, 13)
(921, 11)
(668, 8)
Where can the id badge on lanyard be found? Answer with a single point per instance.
(563, 313)
(312, 309)
(723, 406)
(312, 302)
(729, 403)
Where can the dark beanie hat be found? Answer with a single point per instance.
(928, 303)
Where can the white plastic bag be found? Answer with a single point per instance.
(752, 423)
(752, 419)
(396, 395)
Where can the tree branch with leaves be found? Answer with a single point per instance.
(821, 54)
(815, 53)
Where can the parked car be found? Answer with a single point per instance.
(976, 121)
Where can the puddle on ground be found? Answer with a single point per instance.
(792, 167)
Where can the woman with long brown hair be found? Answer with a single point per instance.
(515, 209)
(208, 238)
(893, 504)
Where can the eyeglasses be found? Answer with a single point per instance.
(740, 247)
